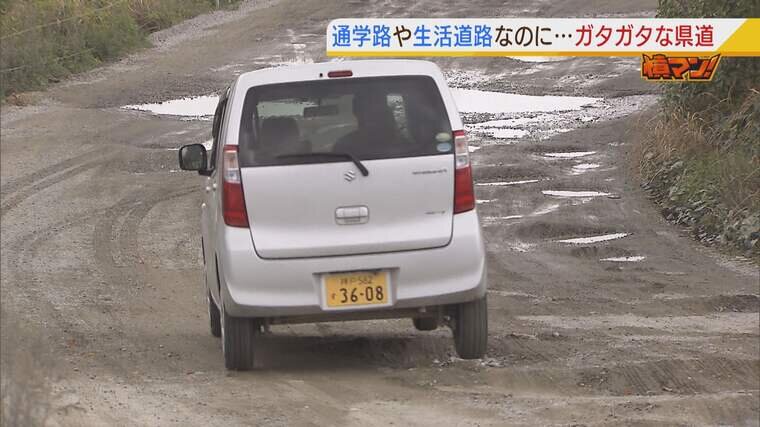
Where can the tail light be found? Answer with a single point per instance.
(233, 202)
(464, 196)
(340, 73)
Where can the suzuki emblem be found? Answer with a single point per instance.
(349, 176)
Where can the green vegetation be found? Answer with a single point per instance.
(701, 160)
(46, 40)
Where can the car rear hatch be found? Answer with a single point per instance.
(347, 166)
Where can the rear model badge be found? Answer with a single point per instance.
(349, 176)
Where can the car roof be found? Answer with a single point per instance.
(317, 71)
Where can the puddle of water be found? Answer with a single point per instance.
(539, 58)
(584, 167)
(594, 239)
(285, 62)
(208, 144)
(478, 101)
(198, 106)
(501, 218)
(569, 155)
(519, 121)
(574, 193)
(228, 67)
(521, 246)
(537, 117)
(502, 183)
(505, 133)
(637, 258)
(545, 210)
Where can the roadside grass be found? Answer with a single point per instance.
(705, 173)
(700, 157)
(44, 41)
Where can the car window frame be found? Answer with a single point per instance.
(216, 129)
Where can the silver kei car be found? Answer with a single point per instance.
(339, 191)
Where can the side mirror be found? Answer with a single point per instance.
(192, 157)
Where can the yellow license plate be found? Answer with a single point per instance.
(356, 288)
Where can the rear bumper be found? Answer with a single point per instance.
(255, 287)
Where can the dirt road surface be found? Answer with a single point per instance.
(101, 254)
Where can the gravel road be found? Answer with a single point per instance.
(601, 313)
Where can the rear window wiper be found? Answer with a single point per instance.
(347, 156)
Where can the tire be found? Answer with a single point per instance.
(214, 317)
(470, 329)
(237, 341)
(425, 323)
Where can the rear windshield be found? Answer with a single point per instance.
(369, 118)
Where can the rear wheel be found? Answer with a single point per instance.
(214, 317)
(237, 341)
(470, 329)
(425, 323)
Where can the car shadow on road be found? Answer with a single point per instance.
(282, 352)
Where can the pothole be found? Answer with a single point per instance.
(593, 239)
(198, 107)
(596, 252)
(584, 167)
(635, 258)
(545, 209)
(558, 230)
(565, 193)
(505, 183)
(500, 218)
(539, 58)
(208, 144)
(569, 155)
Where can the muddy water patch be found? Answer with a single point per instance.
(506, 183)
(568, 155)
(593, 239)
(518, 116)
(567, 193)
(634, 258)
(507, 117)
(539, 58)
(584, 167)
(544, 229)
(479, 101)
(545, 209)
(207, 144)
(596, 252)
(192, 107)
(491, 220)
